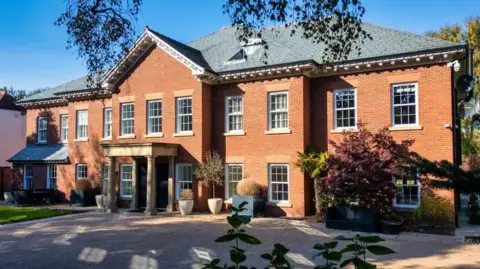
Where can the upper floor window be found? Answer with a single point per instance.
(183, 177)
(154, 114)
(107, 122)
(64, 128)
(408, 189)
(234, 117)
(405, 104)
(126, 177)
(345, 106)
(127, 120)
(52, 176)
(278, 110)
(82, 124)
(184, 114)
(82, 171)
(27, 176)
(42, 130)
(233, 175)
(278, 190)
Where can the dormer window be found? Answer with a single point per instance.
(240, 56)
(246, 50)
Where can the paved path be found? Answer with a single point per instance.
(99, 240)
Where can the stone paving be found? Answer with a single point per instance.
(99, 240)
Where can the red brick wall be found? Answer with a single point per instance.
(434, 141)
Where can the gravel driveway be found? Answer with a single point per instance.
(99, 240)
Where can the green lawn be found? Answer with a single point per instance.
(18, 214)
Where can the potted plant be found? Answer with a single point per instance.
(211, 172)
(186, 202)
(83, 193)
(250, 188)
(8, 197)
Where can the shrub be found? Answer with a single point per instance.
(186, 194)
(83, 185)
(249, 187)
(361, 168)
(436, 210)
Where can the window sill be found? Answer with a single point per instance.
(278, 131)
(405, 127)
(153, 135)
(404, 209)
(126, 137)
(81, 140)
(343, 130)
(107, 139)
(234, 133)
(126, 197)
(280, 204)
(41, 143)
(183, 134)
(64, 142)
(228, 201)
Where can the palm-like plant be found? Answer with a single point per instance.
(316, 166)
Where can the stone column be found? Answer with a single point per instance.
(150, 207)
(111, 195)
(171, 184)
(134, 203)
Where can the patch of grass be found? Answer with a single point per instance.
(18, 214)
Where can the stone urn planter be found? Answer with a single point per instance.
(99, 200)
(186, 202)
(215, 205)
(8, 197)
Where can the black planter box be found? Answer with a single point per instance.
(82, 198)
(390, 227)
(23, 197)
(474, 219)
(44, 196)
(351, 218)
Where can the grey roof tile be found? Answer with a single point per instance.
(213, 51)
(41, 153)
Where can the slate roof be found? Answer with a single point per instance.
(213, 51)
(52, 153)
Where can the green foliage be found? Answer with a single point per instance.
(473, 207)
(277, 257)
(212, 171)
(437, 210)
(19, 94)
(315, 164)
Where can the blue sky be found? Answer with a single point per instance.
(33, 51)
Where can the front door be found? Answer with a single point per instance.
(142, 185)
(162, 185)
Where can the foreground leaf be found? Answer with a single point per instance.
(249, 239)
(380, 250)
(226, 238)
(333, 256)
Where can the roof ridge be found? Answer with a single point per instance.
(409, 33)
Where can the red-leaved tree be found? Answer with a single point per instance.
(361, 168)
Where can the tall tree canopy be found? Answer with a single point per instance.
(102, 31)
(19, 94)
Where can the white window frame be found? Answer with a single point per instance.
(228, 114)
(42, 129)
(149, 117)
(179, 181)
(335, 109)
(82, 122)
(178, 115)
(270, 112)
(27, 177)
(419, 193)
(64, 128)
(123, 120)
(270, 199)
(229, 195)
(392, 86)
(77, 171)
(107, 123)
(122, 179)
(52, 176)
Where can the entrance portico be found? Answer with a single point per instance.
(136, 151)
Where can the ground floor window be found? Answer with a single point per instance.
(52, 176)
(183, 178)
(233, 175)
(82, 171)
(27, 176)
(278, 190)
(126, 176)
(408, 189)
(104, 175)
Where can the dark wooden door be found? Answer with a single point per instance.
(142, 185)
(162, 185)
